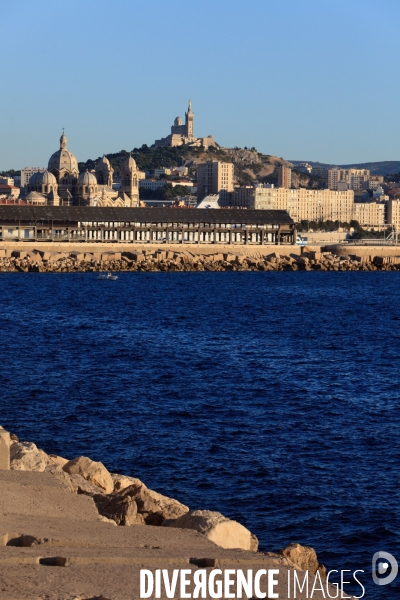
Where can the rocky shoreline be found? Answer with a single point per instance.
(333, 259)
(126, 501)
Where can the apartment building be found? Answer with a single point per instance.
(244, 197)
(374, 182)
(370, 214)
(302, 204)
(320, 172)
(334, 176)
(215, 177)
(393, 213)
(27, 173)
(284, 177)
(356, 179)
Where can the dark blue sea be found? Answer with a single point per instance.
(270, 397)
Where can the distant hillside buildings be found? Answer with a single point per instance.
(351, 179)
(302, 204)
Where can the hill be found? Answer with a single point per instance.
(386, 167)
(250, 166)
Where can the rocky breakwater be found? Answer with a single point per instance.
(333, 259)
(126, 501)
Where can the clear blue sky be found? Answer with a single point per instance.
(301, 79)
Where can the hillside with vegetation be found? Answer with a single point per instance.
(250, 166)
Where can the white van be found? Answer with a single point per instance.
(301, 240)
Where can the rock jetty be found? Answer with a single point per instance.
(104, 527)
(125, 500)
(336, 259)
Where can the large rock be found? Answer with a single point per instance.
(26, 456)
(120, 507)
(153, 508)
(80, 485)
(336, 249)
(123, 481)
(94, 472)
(218, 529)
(304, 558)
(58, 460)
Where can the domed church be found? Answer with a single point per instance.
(62, 185)
(43, 189)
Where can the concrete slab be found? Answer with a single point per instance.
(41, 494)
(53, 548)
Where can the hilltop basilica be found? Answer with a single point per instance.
(182, 134)
(62, 185)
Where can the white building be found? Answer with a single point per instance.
(152, 184)
(378, 192)
(161, 171)
(7, 181)
(180, 170)
(304, 168)
(186, 182)
(211, 201)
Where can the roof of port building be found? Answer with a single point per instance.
(76, 214)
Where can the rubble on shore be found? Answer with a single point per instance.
(20, 261)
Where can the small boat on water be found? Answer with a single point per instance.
(108, 276)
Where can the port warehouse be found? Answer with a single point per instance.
(151, 225)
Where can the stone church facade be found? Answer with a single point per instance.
(61, 184)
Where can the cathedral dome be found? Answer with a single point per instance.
(35, 198)
(63, 159)
(48, 178)
(87, 178)
(34, 179)
(44, 178)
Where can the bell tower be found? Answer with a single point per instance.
(130, 181)
(189, 124)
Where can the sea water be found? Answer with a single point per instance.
(270, 397)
